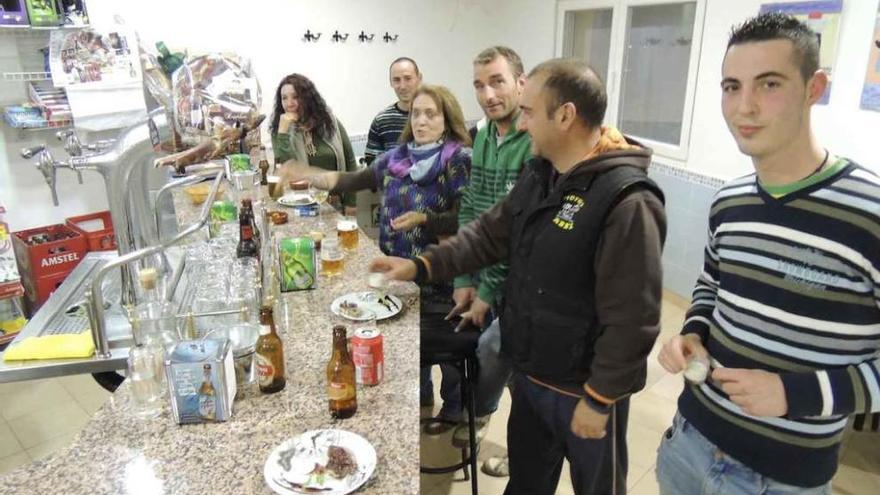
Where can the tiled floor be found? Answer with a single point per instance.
(39, 417)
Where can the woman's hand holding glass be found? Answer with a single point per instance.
(285, 121)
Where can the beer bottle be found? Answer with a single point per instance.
(247, 246)
(264, 167)
(248, 206)
(207, 397)
(269, 355)
(340, 377)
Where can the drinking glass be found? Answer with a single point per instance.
(332, 258)
(147, 380)
(347, 231)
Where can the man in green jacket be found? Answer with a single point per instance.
(499, 153)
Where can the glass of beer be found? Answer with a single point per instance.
(332, 259)
(347, 231)
(276, 188)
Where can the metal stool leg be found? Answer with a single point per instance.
(467, 368)
(470, 374)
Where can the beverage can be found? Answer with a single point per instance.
(368, 355)
(297, 263)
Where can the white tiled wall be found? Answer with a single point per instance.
(688, 199)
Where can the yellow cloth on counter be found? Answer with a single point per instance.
(78, 345)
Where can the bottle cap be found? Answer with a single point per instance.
(148, 277)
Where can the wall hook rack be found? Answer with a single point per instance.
(311, 37)
(339, 37)
(388, 38)
(364, 38)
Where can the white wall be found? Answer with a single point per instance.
(443, 36)
(840, 126)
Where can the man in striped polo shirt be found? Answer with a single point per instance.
(386, 127)
(786, 307)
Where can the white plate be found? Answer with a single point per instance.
(367, 300)
(296, 199)
(289, 470)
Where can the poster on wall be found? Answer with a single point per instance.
(101, 73)
(86, 57)
(871, 91)
(823, 17)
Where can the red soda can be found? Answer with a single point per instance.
(369, 358)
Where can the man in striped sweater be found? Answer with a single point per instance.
(786, 308)
(386, 127)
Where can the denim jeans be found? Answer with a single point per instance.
(539, 437)
(495, 370)
(449, 390)
(688, 463)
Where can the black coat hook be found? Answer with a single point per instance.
(311, 37)
(388, 38)
(339, 37)
(364, 38)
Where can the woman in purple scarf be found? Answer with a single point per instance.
(422, 181)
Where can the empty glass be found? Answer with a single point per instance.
(147, 377)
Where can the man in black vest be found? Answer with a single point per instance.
(582, 231)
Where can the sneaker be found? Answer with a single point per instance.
(461, 440)
(438, 426)
(498, 466)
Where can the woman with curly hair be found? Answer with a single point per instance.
(305, 131)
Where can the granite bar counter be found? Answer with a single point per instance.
(117, 453)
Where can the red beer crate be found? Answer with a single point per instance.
(48, 251)
(38, 291)
(100, 238)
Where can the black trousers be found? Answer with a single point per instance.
(539, 437)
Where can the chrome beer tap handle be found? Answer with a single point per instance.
(47, 166)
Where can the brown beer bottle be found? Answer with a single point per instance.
(340, 377)
(247, 245)
(269, 355)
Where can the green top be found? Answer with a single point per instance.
(495, 169)
(324, 156)
(785, 189)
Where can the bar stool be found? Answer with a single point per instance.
(440, 345)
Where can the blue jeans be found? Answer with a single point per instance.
(449, 390)
(495, 370)
(687, 462)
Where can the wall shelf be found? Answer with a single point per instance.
(26, 76)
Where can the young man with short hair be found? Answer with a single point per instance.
(786, 308)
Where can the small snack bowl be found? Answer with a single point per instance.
(199, 192)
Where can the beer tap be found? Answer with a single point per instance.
(74, 146)
(47, 166)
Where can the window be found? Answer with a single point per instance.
(647, 52)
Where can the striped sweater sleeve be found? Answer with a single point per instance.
(830, 392)
(705, 293)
